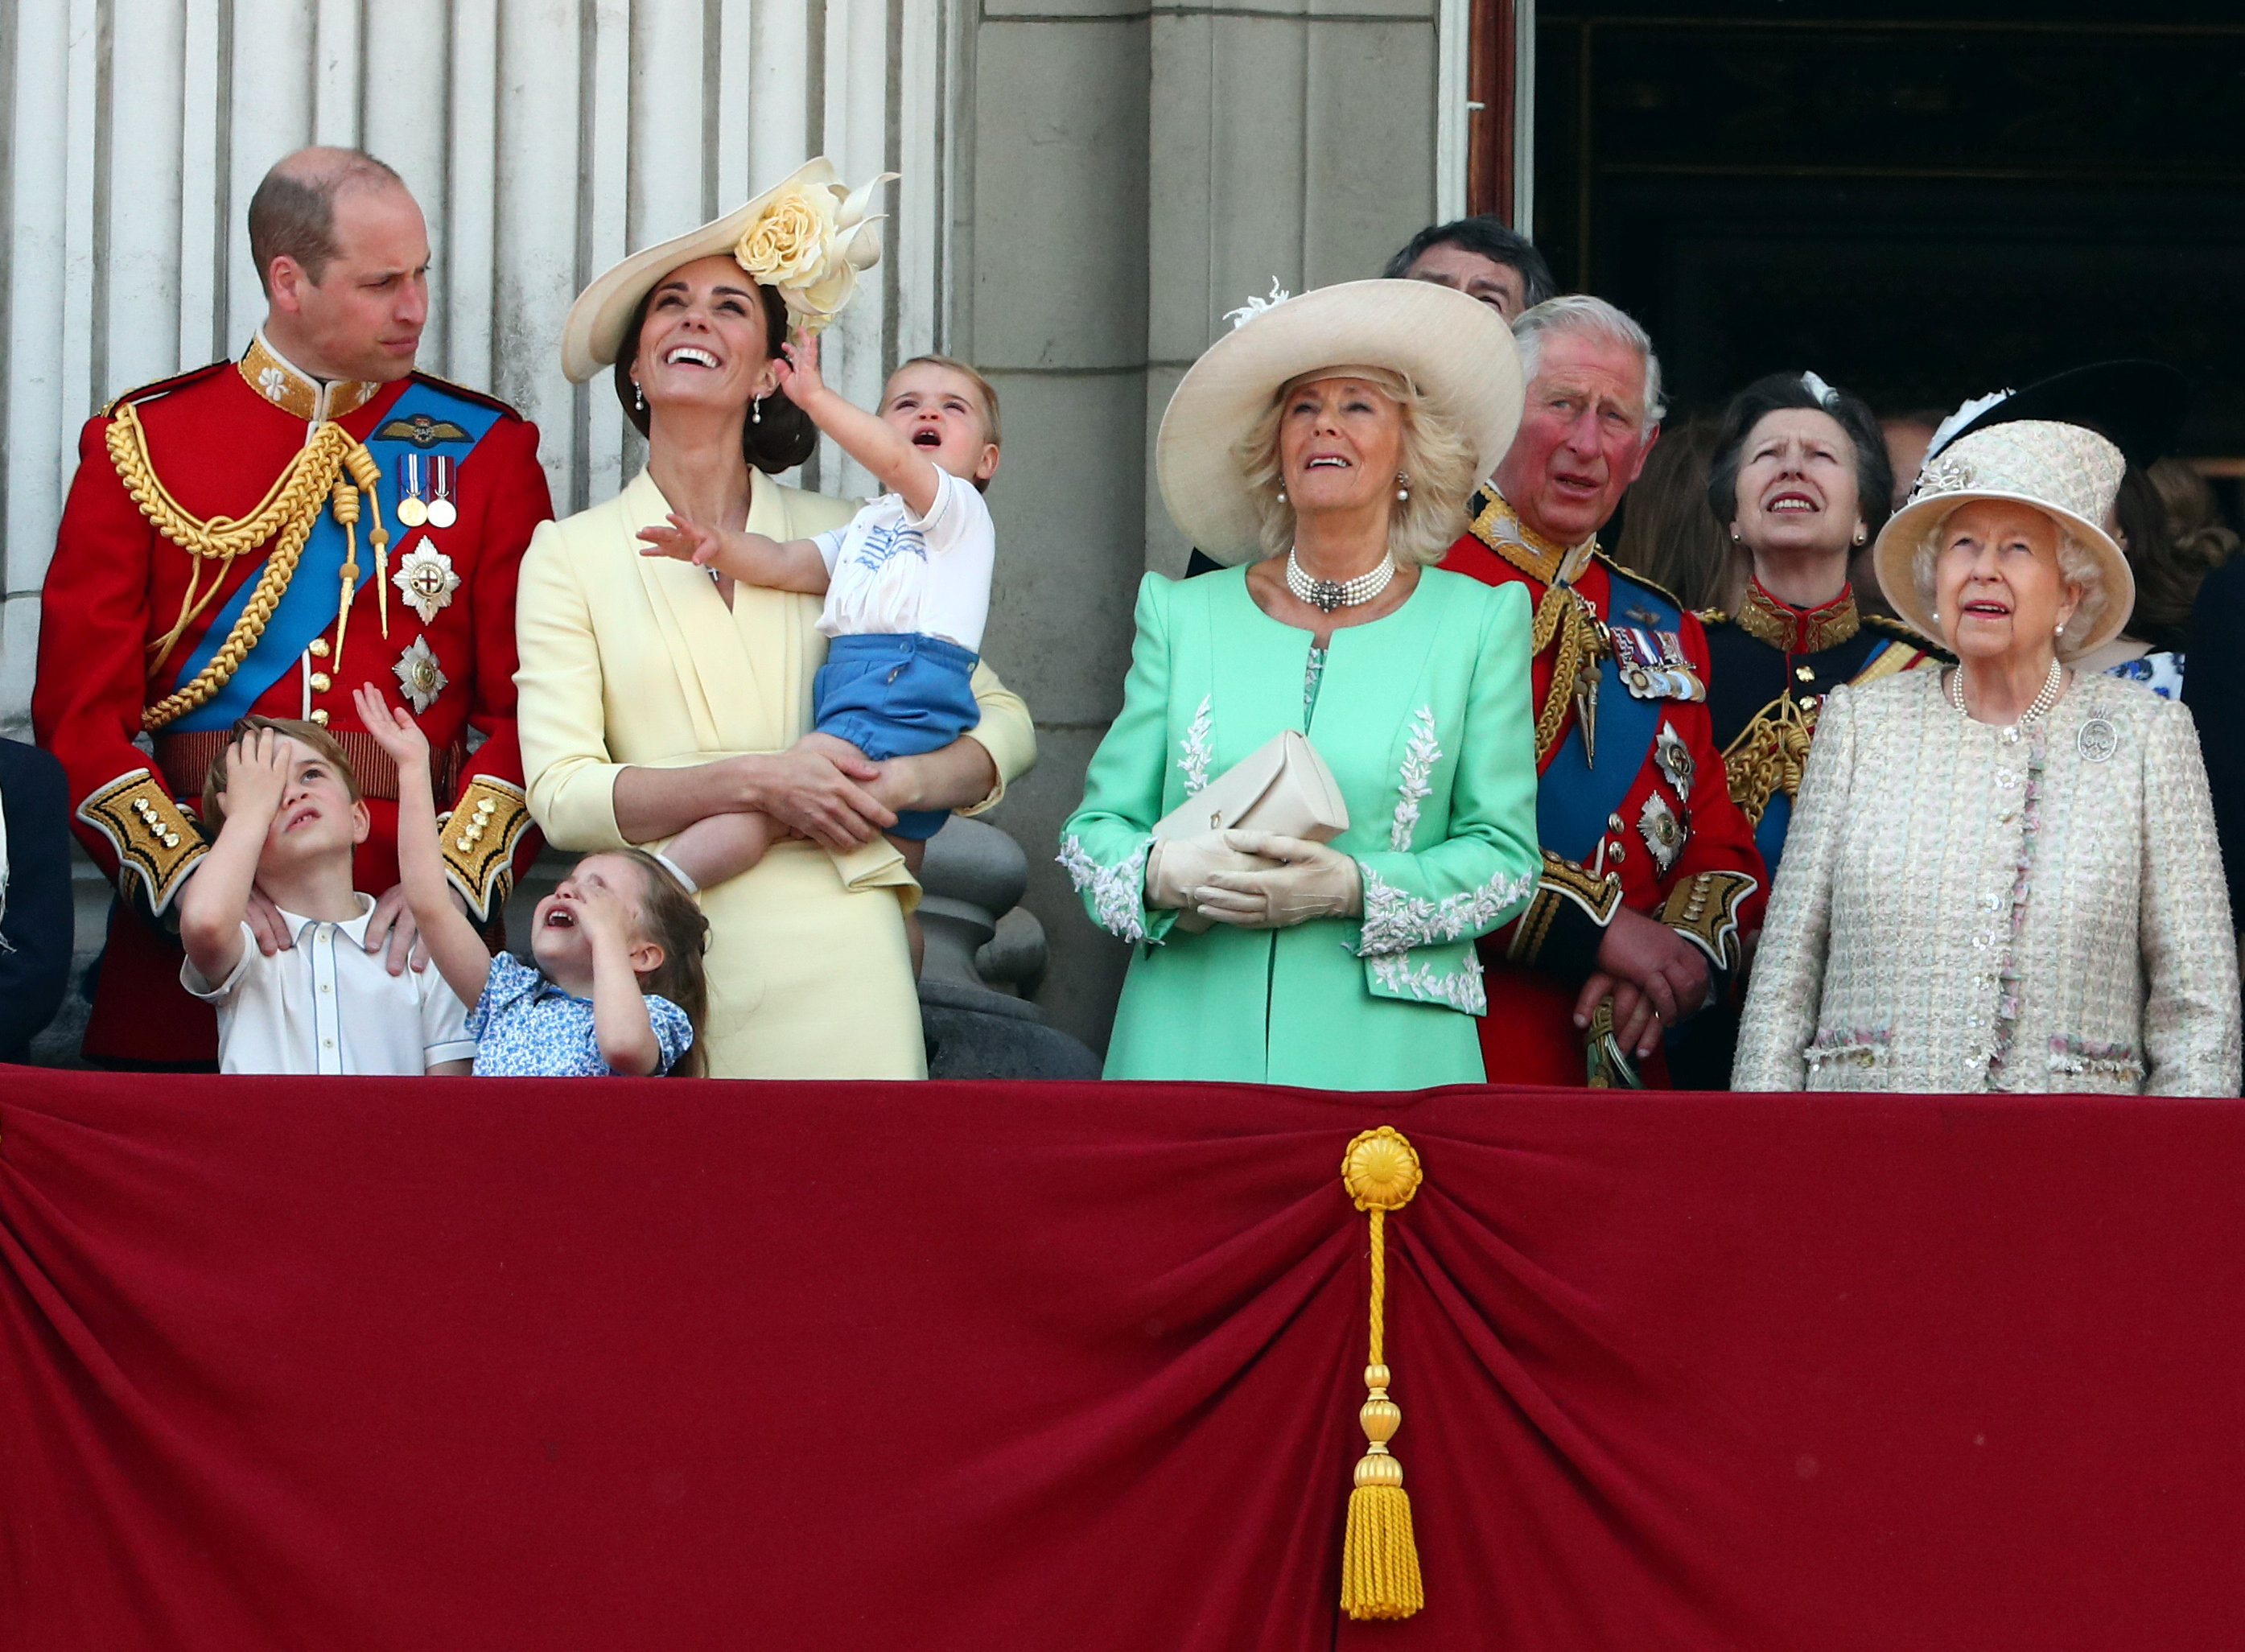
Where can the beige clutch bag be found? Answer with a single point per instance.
(1283, 787)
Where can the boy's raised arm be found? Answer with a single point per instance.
(896, 463)
(454, 943)
(216, 898)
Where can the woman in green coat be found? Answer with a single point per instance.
(1336, 438)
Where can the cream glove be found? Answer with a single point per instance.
(1176, 867)
(1308, 881)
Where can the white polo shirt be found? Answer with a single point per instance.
(327, 1005)
(889, 572)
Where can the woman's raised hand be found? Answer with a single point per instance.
(682, 539)
(797, 369)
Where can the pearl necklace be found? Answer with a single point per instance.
(1328, 594)
(2035, 711)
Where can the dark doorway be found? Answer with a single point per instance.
(1922, 203)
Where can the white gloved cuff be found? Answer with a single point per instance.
(1308, 880)
(1176, 867)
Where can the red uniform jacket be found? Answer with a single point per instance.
(215, 441)
(1638, 813)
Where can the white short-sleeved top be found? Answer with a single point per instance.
(888, 571)
(327, 1005)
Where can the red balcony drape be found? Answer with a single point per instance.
(498, 1364)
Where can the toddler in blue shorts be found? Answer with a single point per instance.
(906, 583)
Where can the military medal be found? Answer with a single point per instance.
(419, 677)
(1664, 834)
(412, 509)
(442, 512)
(425, 576)
(1674, 758)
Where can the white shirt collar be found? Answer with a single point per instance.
(300, 927)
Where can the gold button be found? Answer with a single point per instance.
(319, 715)
(1806, 673)
(319, 648)
(321, 682)
(171, 840)
(486, 807)
(463, 845)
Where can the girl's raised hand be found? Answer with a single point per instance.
(797, 368)
(390, 727)
(681, 540)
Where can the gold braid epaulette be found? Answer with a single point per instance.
(290, 508)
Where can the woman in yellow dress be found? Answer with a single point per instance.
(654, 694)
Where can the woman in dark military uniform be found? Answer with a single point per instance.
(1799, 480)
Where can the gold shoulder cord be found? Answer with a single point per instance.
(289, 509)
(1561, 614)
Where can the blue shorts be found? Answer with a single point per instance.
(896, 695)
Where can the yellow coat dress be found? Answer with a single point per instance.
(631, 662)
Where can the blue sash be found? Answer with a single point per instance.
(307, 607)
(1574, 799)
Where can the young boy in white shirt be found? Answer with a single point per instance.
(288, 815)
(906, 583)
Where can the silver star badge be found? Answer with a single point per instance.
(1675, 760)
(419, 677)
(425, 576)
(1663, 833)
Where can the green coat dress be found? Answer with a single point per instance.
(1424, 718)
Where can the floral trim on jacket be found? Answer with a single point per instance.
(1395, 920)
(1460, 989)
(1858, 1046)
(1118, 892)
(1420, 754)
(1194, 750)
(2079, 1055)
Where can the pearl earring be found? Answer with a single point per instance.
(757, 411)
(1735, 537)
(1282, 495)
(1402, 486)
(638, 398)
(1861, 533)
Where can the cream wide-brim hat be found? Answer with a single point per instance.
(594, 331)
(1456, 351)
(2067, 473)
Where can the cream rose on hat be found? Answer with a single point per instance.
(807, 238)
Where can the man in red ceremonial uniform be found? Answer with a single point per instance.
(1651, 880)
(264, 535)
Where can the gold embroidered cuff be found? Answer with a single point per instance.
(155, 839)
(1706, 912)
(480, 837)
(1566, 917)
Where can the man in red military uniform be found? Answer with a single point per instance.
(1651, 880)
(264, 535)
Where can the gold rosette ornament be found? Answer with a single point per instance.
(1380, 1558)
(810, 242)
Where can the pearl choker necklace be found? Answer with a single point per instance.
(2034, 711)
(1328, 594)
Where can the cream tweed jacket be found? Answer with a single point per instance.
(1968, 908)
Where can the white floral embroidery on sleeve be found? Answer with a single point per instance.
(1396, 920)
(1118, 892)
(1420, 754)
(1194, 750)
(1462, 988)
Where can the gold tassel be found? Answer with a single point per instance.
(345, 504)
(1380, 1558)
(367, 475)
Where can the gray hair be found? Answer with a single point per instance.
(1435, 456)
(1580, 312)
(2078, 565)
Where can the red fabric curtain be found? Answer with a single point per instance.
(339, 1364)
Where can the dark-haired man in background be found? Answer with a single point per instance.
(379, 516)
(1481, 258)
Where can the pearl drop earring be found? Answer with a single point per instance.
(1402, 486)
(757, 411)
(1282, 495)
(638, 398)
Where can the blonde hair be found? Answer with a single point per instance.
(1436, 461)
(2077, 566)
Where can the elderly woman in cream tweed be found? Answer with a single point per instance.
(2002, 877)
